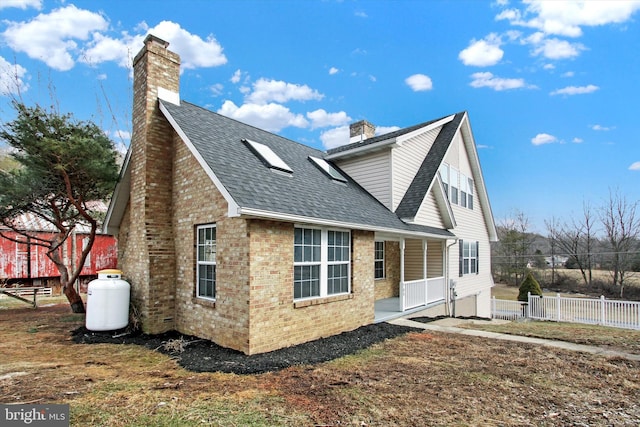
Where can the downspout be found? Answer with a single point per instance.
(448, 304)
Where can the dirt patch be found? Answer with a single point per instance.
(200, 355)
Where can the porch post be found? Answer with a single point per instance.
(424, 271)
(402, 275)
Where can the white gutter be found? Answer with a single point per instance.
(258, 213)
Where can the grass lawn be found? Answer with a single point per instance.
(416, 379)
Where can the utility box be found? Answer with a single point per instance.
(107, 302)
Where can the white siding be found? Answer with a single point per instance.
(429, 213)
(373, 173)
(470, 227)
(407, 160)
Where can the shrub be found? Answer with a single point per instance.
(529, 285)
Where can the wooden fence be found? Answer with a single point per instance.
(600, 311)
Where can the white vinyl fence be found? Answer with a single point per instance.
(618, 314)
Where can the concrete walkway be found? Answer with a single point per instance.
(450, 325)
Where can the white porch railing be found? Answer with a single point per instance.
(619, 314)
(421, 292)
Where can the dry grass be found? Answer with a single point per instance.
(417, 379)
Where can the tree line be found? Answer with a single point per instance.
(605, 237)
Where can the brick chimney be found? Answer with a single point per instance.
(359, 131)
(148, 255)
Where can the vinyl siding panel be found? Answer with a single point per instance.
(407, 159)
(434, 259)
(373, 173)
(470, 227)
(413, 260)
(429, 213)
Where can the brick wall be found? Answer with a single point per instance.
(389, 287)
(196, 202)
(147, 241)
(276, 321)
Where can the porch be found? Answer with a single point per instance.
(416, 295)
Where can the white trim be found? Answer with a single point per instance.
(391, 141)
(199, 262)
(251, 212)
(402, 138)
(361, 149)
(118, 204)
(233, 208)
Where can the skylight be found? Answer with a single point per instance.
(267, 155)
(328, 169)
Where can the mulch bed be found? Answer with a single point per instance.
(200, 355)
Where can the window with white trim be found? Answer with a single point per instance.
(468, 257)
(321, 262)
(470, 193)
(444, 175)
(453, 181)
(463, 190)
(206, 261)
(379, 270)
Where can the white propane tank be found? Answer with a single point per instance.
(107, 302)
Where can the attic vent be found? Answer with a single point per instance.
(268, 157)
(327, 168)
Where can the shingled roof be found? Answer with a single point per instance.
(306, 193)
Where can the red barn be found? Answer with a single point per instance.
(29, 265)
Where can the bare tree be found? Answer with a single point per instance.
(553, 227)
(577, 239)
(512, 251)
(622, 229)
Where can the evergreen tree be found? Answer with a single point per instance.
(529, 285)
(64, 165)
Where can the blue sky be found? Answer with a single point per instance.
(551, 88)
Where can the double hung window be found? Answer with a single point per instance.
(379, 260)
(206, 261)
(321, 262)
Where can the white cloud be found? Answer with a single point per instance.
(361, 14)
(382, 130)
(543, 138)
(52, 37)
(482, 53)
(320, 118)
(21, 4)
(419, 82)
(602, 128)
(265, 91)
(236, 76)
(270, 117)
(575, 90)
(487, 79)
(216, 89)
(333, 70)
(565, 18)
(556, 48)
(12, 78)
(577, 140)
(193, 50)
(335, 137)
(569, 74)
(548, 66)
(635, 166)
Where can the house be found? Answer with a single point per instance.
(256, 242)
(28, 265)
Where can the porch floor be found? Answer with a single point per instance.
(389, 308)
